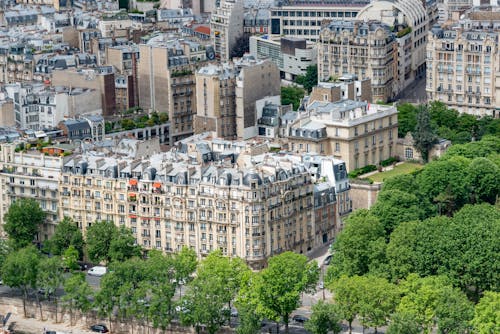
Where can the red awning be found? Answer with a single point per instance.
(132, 182)
(157, 185)
(132, 216)
(131, 194)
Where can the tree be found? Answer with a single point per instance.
(407, 119)
(474, 235)
(160, 284)
(207, 300)
(66, 234)
(50, 277)
(433, 302)
(395, 206)
(442, 116)
(355, 246)
(279, 286)
(403, 182)
(292, 95)
(20, 270)
(70, 259)
(424, 136)
(445, 183)
(378, 301)
(403, 323)
(185, 263)
(99, 238)
(483, 148)
(22, 222)
(310, 79)
(487, 314)
(77, 294)
(324, 319)
(483, 177)
(424, 248)
(123, 246)
(347, 297)
(4, 252)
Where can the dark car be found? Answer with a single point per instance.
(300, 318)
(100, 328)
(327, 261)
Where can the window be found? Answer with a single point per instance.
(408, 153)
(337, 147)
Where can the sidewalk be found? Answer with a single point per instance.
(19, 324)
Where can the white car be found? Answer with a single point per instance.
(97, 271)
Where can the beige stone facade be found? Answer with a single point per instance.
(30, 174)
(463, 70)
(356, 132)
(248, 209)
(216, 101)
(166, 76)
(366, 50)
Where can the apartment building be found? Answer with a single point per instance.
(101, 78)
(16, 63)
(166, 76)
(216, 100)
(256, 80)
(464, 70)
(364, 49)
(227, 96)
(226, 26)
(304, 19)
(356, 132)
(39, 107)
(291, 55)
(30, 174)
(412, 21)
(125, 60)
(250, 205)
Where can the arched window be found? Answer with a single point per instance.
(408, 153)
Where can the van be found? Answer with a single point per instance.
(97, 271)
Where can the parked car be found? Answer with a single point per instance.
(327, 260)
(300, 318)
(99, 328)
(97, 271)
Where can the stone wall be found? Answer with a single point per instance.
(363, 194)
(15, 306)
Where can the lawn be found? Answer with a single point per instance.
(404, 168)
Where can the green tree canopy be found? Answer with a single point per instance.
(292, 95)
(422, 248)
(310, 79)
(207, 300)
(474, 251)
(123, 246)
(432, 302)
(22, 222)
(483, 178)
(279, 286)
(445, 183)
(77, 294)
(20, 270)
(423, 135)
(487, 314)
(324, 319)
(395, 206)
(98, 239)
(357, 245)
(407, 119)
(66, 234)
